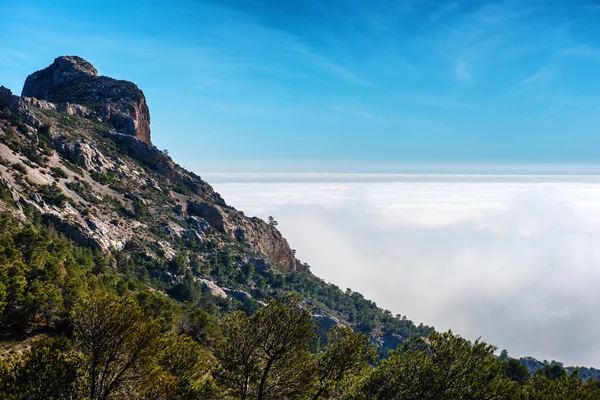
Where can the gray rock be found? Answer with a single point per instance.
(239, 295)
(82, 153)
(213, 288)
(71, 79)
(16, 105)
(208, 212)
(191, 236)
(200, 224)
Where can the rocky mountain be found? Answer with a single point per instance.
(74, 84)
(76, 153)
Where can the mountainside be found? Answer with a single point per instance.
(76, 153)
(124, 276)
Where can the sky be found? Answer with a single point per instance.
(309, 110)
(514, 259)
(332, 85)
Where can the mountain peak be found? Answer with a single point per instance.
(72, 64)
(72, 80)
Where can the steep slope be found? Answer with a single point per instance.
(76, 152)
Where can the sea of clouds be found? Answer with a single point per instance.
(512, 259)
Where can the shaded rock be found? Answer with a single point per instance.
(259, 264)
(325, 323)
(239, 295)
(16, 105)
(212, 288)
(71, 79)
(191, 236)
(199, 224)
(209, 212)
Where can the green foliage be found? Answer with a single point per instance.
(515, 371)
(53, 195)
(343, 362)
(102, 178)
(19, 168)
(59, 172)
(74, 168)
(267, 356)
(443, 366)
(552, 372)
(48, 371)
(116, 342)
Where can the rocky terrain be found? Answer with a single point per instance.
(76, 152)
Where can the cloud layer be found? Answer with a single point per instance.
(514, 260)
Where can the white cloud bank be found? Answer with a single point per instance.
(515, 260)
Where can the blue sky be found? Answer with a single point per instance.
(238, 85)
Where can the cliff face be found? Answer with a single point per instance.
(76, 148)
(71, 80)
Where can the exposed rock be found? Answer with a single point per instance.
(262, 237)
(40, 104)
(259, 264)
(191, 236)
(239, 295)
(200, 224)
(74, 109)
(83, 234)
(208, 212)
(81, 153)
(71, 79)
(16, 105)
(212, 288)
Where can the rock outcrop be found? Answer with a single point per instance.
(72, 80)
(260, 236)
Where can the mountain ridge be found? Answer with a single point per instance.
(110, 189)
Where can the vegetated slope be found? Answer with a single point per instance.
(78, 158)
(78, 164)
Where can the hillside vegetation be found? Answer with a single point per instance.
(124, 276)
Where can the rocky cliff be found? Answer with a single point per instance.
(75, 153)
(74, 86)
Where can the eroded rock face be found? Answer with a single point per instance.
(260, 236)
(18, 106)
(71, 79)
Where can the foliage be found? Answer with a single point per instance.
(267, 356)
(53, 195)
(443, 366)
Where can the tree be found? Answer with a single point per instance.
(570, 387)
(347, 355)
(515, 371)
(552, 372)
(182, 366)
(441, 367)
(116, 342)
(47, 372)
(267, 356)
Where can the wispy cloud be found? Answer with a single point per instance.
(461, 71)
(542, 74)
(444, 11)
